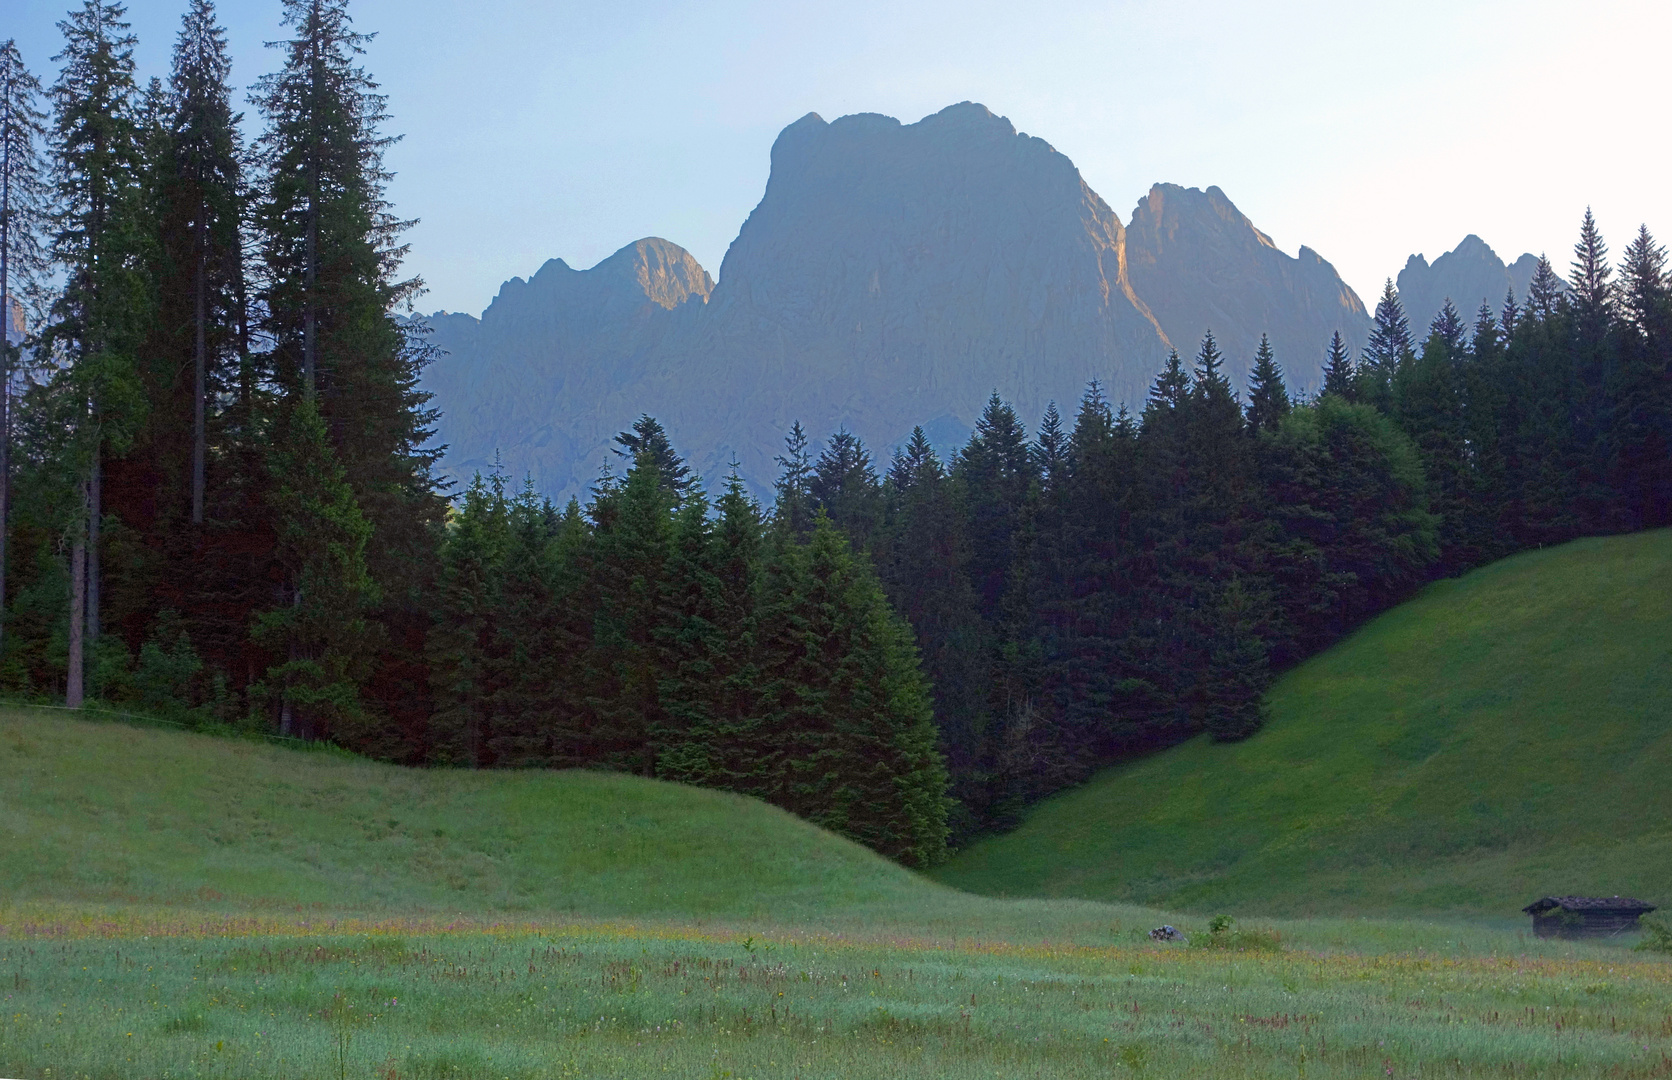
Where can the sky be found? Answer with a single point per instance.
(538, 129)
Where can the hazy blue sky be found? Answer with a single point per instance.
(1367, 131)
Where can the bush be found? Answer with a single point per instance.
(1223, 934)
(1657, 937)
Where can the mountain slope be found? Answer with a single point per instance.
(112, 813)
(893, 274)
(1502, 736)
(1201, 265)
(1468, 275)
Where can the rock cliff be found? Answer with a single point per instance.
(893, 274)
(1468, 275)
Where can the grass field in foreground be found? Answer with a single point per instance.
(128, 993)
(1503, 736)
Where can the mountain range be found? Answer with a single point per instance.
(891, 275)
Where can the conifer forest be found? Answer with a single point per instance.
(220, 500)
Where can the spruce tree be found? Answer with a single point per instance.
(320, 630)
(330, 249)
(1339, 377)
(687, 644)
(204, 189)
(1051, 453)
(633, 538)
(1430, 403)
(1645, 289)
(717, 733)
(844, 486)
(23, 264)
(792, 510)
(853, 742)
(1390, 344)
(1268, 398)
(910, 462)
(923, 561)
(994, 472)
(98, 233)
(1592, 291)
(1641, 386)
(461, 642)
(649, 437)
(1448, 325)
(544, 634)
(1545, 293)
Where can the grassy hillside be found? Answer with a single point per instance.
(112, 813)
(1502, 736)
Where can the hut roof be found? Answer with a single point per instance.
(1623, 904)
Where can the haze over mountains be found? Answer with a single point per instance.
(892, 275)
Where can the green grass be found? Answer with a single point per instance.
(187, 994)
(110, 812)
(1502, 736)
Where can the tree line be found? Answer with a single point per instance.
(1111, 585)
(218, 499)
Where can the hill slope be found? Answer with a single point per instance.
(1502, 736)
(112, 813)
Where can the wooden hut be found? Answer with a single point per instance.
(1585, 916)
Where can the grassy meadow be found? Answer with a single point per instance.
(174, 905)
(1502, 736)
(183, 993)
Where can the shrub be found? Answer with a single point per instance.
(1657, 937)
(1223, 934)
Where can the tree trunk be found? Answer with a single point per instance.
(94, 512)
(201, 364)
(78, 607)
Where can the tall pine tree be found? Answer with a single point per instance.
(1268, 398)
(330, 253)
(103, 308)
(23, 264)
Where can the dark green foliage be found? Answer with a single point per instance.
(844, 486)
(1268, 398)
(1347, 490)
(793, 509)
(1640, 389)
(319, 629)
(649, 437)
(850, 740)
(1340, 378)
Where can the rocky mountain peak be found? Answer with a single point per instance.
(891, 275)
(1200, 264)
(1468, 275)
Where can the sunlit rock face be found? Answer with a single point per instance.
(892, 274)
(1469, 275)
(1201, 265)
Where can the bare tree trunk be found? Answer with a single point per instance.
(78, 608)
(94, 512)
(201, 363)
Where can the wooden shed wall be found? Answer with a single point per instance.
(1582, 924)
